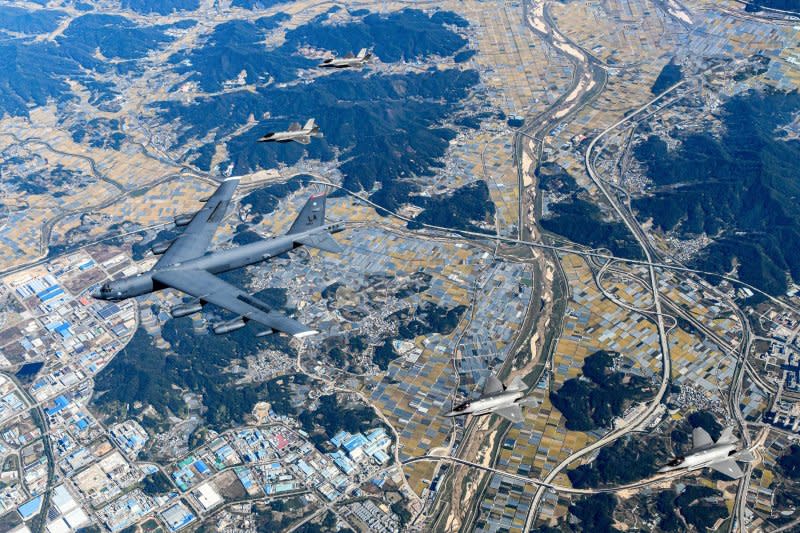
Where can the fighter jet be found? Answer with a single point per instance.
(721, 455)
(498, 399)
(294, 133)
(186, 266)
(348, 61)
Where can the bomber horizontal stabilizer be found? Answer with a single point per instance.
(322, 241)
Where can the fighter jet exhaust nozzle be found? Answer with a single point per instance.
(161, 247)
(183, 220)
(226, 327)
(182, 310)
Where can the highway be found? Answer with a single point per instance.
(544, 485)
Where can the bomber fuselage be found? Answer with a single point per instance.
(215, 262)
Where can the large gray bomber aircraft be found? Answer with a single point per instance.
(187, 267)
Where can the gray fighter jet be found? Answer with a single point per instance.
(186, 266)
(348, 61)
(497, 399)
(721, 455)
(294, 133)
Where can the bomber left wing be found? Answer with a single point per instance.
(209, 288)
(195, 239)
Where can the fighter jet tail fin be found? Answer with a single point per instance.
(362, 54)
(727, 436)
(309, 125)
(311, 216)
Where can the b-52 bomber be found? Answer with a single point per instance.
(721, 455)
(187, 267)
(294, 133)
(348, 61)
(497, 399)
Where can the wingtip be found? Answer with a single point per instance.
(304, 334)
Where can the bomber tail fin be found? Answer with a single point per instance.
(311, 216)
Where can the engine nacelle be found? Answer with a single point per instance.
(161, 247)
(183, 220)
(265, 333)
(186, 309)
(230, 325)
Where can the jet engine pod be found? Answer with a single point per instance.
(161, 247)
(227, 327)
(183, 220)
(186, 309)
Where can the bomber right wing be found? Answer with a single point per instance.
(209, 288)
(195, 239)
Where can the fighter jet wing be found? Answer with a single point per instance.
(294, 126)
(194, 240)
(492, 385)
(700, 438)
(349, 55)
(729, 468)
(512, 412)
(207, 287)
